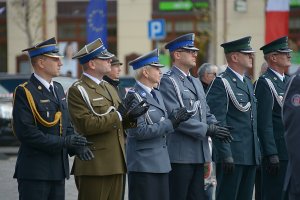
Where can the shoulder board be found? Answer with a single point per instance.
(168, 73)
(131, 90)
(104, 81)
(248, 77)
(77, 83)
(222, 75)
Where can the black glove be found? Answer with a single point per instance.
(74, 140)
(130, 108)
(272, 164)
(220, 132)
(179, 115)
(85, 154)
(228, 165)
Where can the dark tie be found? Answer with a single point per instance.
(52, 90)
(284, 79)
(154, 96)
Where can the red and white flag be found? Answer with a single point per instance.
(277, 19)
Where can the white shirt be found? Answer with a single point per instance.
(281, 77)
(241, 77)
(44, 82)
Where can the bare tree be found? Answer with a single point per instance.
(28, 17)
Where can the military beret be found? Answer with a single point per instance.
(95, 49)
(240, 45)
(279, 45)
(151, 59)
(183, 42)
(46, 48)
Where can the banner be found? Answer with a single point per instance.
(277, 19)
(96, 16)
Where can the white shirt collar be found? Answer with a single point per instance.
(241, 77)
(44, 82)
(97, 81)
(182, 71)
(281, 77)
(146, 88)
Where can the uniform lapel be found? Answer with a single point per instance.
(239, 84)
(98, 89)
(188, 84)
(276, 80)
(43, 89)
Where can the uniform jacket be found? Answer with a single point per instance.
(269, 122)
(188, 143)
(41, 155)
(146, 148)
(106, 132)
(244, 148)
(291, 116)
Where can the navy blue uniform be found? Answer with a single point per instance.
(42, 159)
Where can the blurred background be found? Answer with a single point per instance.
(130, 28)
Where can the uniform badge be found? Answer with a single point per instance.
(281, 98)
(143, 94)
(234, 79)
(40, 87)
(296, 100)
(275, 78)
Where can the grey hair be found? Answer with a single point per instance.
(139, 72)
(204, 68)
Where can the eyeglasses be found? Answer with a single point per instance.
(189, 51)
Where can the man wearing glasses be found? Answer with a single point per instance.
(232, 101)
(207, 73)
(188, 144)
(269, 91)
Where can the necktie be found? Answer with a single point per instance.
(154, 96)
(283, 79)
(52, 90)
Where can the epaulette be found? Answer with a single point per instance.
(77, 83)
(168, 73)
(131, 90)
(104, 81)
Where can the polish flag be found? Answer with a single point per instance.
(277, 19)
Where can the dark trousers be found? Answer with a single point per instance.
(258, 184)
(148, 186)
(237, 185)
(272, 185)
(41, 190)
(186, 182)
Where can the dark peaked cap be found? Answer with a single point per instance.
(47, 48)
(280, 45)
(240, 45)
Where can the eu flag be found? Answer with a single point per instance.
(96, 16)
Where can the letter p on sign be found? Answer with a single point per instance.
(157, 29)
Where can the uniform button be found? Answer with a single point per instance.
(164, 136)
(94, 148)
(164, 146)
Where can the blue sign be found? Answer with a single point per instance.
(157, 29)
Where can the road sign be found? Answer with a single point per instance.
(157, 29)
(181, 5)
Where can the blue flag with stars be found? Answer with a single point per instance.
(96, 16)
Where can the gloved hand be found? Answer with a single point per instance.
(228, 165)
(272, 164)
(179, 115)
(74, 140)
(85, 154)
(130, 108)
(220, 132)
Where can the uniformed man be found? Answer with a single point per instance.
(269, 91)
(96, 112)
(232, 101)
(188, 144)
(148, 161)
(291, 118)
(114, 75)
(41, 123)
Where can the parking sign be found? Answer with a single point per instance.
(157, 29)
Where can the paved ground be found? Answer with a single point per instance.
(8, 185)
